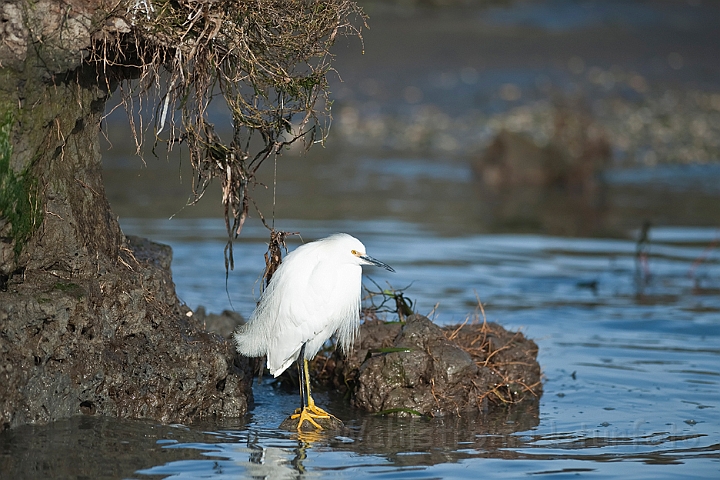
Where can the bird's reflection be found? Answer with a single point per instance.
(284, 463)
(402, 441)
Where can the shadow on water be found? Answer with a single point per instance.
(92, 447)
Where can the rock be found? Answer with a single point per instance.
(117, 344)
(223, 324)
(420, 368)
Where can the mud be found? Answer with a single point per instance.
(419, 368)
(119, 344)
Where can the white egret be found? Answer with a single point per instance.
(314, 294)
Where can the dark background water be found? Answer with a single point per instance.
(630, 354)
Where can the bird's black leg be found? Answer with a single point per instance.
(304, 395)
(308, 411)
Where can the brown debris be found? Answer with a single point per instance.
(265, 61)
(421, 368)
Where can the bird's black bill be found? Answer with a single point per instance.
(377, 263)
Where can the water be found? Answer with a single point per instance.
(631, 369)
(630, 355)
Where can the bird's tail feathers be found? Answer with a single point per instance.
(276, 371)
(250, 341)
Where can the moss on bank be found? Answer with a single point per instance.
(19, 200)
(90, 319)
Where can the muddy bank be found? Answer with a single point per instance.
(119, 344)
(89, 319)
(419, 368)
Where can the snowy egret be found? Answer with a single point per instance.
(314, 294)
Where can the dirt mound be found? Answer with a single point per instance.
(420, 368)
(118, 344)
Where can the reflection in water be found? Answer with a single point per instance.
(429, 441)
(368, 441)
(92, 447)
(548, 210)
(273, 462)
(110, 448)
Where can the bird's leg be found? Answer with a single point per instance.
(301, 374)
(308, 410)
(314, 409)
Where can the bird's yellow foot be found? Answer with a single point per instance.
(317, 411)
(309, 414)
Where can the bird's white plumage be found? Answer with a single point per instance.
(314, 294)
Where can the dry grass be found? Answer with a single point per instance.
(507, 371)
(266, 60)
(507, 355)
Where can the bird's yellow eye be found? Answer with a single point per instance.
(354, 252)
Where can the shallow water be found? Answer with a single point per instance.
(630, 353)
(632, 370)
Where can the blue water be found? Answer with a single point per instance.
(631, 366)
(630, 354)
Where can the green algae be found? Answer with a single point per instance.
(19, 199)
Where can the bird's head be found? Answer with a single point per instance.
(366, 259)
(349, 245)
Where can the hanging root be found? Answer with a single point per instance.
(273, 256)
(267, 61)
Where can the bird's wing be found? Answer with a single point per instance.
(307, 313)
(289, 311)
(307, 301)
(335, 304)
